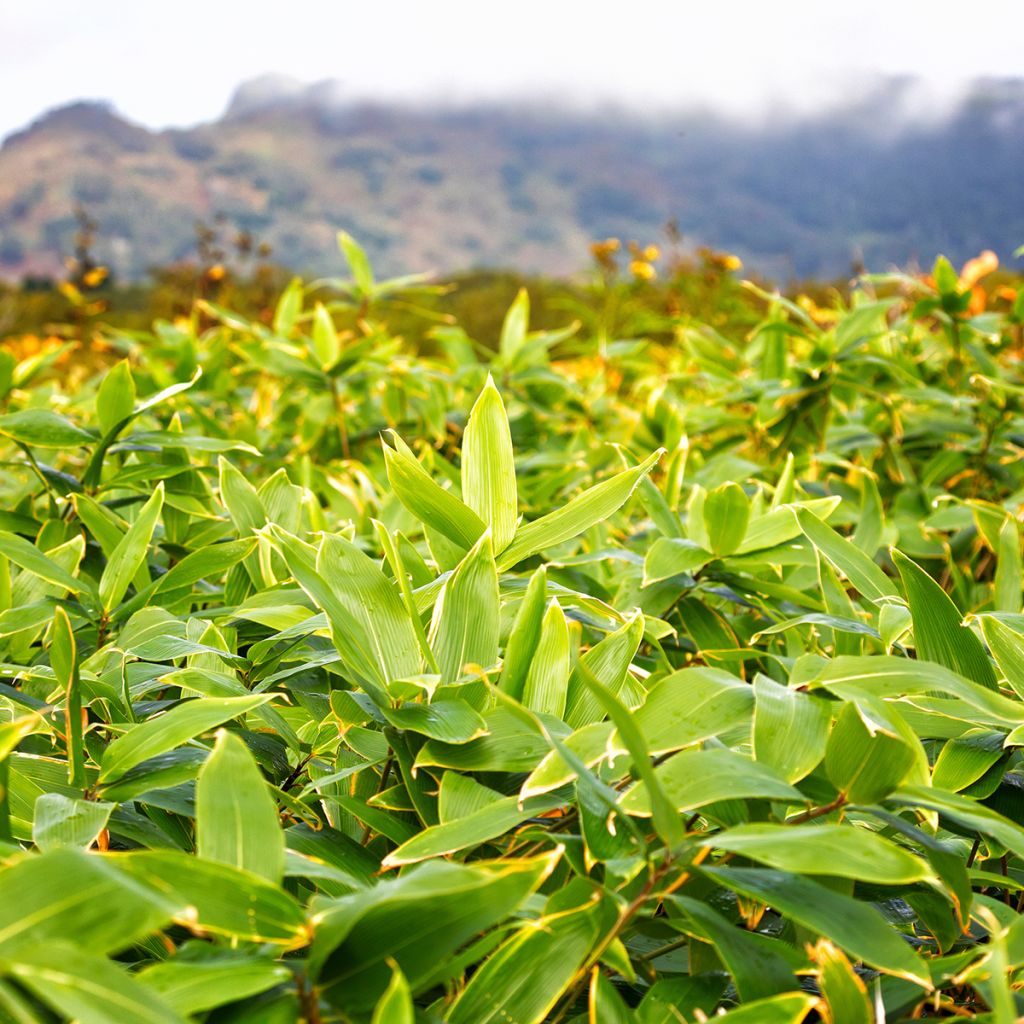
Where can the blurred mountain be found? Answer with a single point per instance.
(886, 178)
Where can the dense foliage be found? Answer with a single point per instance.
(628, 671)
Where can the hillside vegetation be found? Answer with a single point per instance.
(886, 178)
(625, 670)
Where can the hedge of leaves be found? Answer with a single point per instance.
(635, 672)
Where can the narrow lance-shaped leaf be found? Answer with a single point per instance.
(373, 607)
(40, 428)
(856, 927)
(790, 728)
(939, 632)
(856, 566)
(593, 506)
(88, 988)
(362, 274)
(393, 554)
(1007, 647)
(325, 337)
(514, 326)
(726, 515)
(547, 681)
(59, 820)
(171, 729)
(115, 397)
(522, 641)
(609, 661)
(866, 757)
(68, 892)
(130, 553)
(355, 648)
(64, 661)
(28, 557)
(757, 966)
(427, 500)
(666, 821)
(236, 817)
(395, 1006)
(549, 953)
(839, 850)
(488, 467)
(1009, 572)
(464, 628)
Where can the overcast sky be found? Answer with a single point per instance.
(176, 62)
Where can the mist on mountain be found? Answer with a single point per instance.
(888, 174)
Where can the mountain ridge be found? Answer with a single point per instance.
(881, 179)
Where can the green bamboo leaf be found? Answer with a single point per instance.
(326, 344)
(856, 927)
(939, 632)
(606, 1005)
(514, 326)
(590, 745)
(548, 953)
(882, 675)
(525, 635)
(844, 851)
(115, 398)
(547, 681)
(1007, 647)
(726, 515)
(130, 554)
(395, 1006)
(289, 307)
(668, 997)
(236, 817)
(844, 990)
(691, 706)
(609, 661)
(791, 1008)
(965, 759)
(964, 810)
(758, 965)
(593, 506)
(693, 779)
(856, 566)
(358, 263)
(470, 830)
(671, 556)
(448, 721)
(27, 556)
(59, 820)
(428, 501)
(417, 920)
(40, 428)
(192, 988)
(871, 519)
(64, 661)
(219, 898)
(88, 988)
(66, 892)
(790, 728)
(467, 616)
(508, 746)
(372, 606)
(488, 467)
(1009, 580)
(778, 526)
(210, 562)
(666, 822)
(172, 728)
(867, 756)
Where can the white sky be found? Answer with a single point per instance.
(176, 62)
